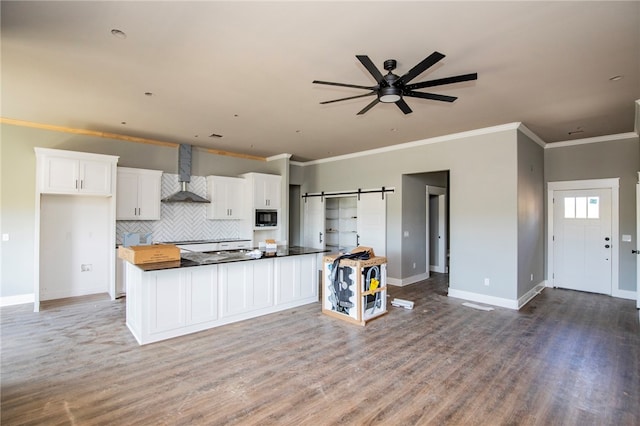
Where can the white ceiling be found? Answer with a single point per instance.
(244, 70)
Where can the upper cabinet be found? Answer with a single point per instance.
(69, 172)
(227, 197)
(138, 194)
(266, 190)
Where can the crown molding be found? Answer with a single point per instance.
(596, 139)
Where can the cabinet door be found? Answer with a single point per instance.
(261, 292)
(149, 197)
(267, 191)
(227, 197)
(60, 175)
(126, 196)
(296, 278)
(95, 177)
(167, 310)
(202, 295)
(235, 198)
(234, 292)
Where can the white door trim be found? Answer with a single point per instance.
(614, 185)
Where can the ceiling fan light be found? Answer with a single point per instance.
(389, 94)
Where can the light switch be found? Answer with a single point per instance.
(406, 233)
(626, 238)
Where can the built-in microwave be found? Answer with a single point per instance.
(266, 218)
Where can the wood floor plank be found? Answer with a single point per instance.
(566, 358)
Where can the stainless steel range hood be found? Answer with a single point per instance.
(184, 171)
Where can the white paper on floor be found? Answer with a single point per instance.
(474, 306)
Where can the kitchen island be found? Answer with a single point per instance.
(171, 299)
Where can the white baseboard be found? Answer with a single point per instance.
(401, 282)
(526, 298)
(483, 298)
(17, 300)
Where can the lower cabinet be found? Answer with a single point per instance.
(170, 303)
(246, 286)
(296, 279)
(173, 302)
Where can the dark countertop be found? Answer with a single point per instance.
(234, 256)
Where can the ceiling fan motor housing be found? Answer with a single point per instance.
(390, 64)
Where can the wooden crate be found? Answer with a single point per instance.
(352, 299)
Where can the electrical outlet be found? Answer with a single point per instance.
(486, 281)
(531, 277)
(86, 267)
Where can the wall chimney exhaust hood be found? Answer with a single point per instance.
(184, 171)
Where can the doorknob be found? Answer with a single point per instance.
(635, 251)
(606, 246)
(606, 238)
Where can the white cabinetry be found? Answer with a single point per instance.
(174, 302)
(266, 190)
(138, 194)
(68, 172)
(234, 245)
(246, 286)
(227, 197)
(296, 279)
(181, 301)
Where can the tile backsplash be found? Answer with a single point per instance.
(181, 221)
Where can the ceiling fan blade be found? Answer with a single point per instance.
(330, 83)
(404, 107)
(441, 81)
(427, 62)
(368, 64)
(432, 96)
(368, 107)
(346, 99)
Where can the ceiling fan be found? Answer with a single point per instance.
(390, 88)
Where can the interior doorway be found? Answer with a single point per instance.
(436, 224)
(295, 219)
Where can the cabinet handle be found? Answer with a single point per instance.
(357, 240)
(81, 183)
(76, 183)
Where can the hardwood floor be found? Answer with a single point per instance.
(567, 358)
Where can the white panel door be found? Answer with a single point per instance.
(313, 232)
(582, 240)
(372, 222)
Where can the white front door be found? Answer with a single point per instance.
(582, 240)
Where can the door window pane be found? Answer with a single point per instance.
(593, 208)
(569, 208)
(581, 207)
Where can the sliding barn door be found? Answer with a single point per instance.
(372, 222)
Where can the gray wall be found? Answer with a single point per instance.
(607, 159)
(531, 214)
(483, 203)
(17, 186)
